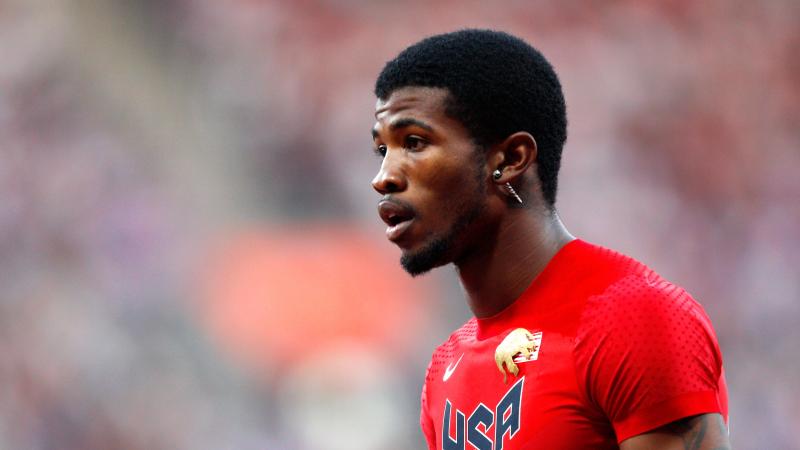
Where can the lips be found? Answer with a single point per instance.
(397, 216)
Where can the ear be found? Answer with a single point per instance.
(513, 157)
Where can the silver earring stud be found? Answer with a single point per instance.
(497, 174)
(513, 193)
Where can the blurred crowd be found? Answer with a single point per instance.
(190, 255)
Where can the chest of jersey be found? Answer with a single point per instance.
(517, 390)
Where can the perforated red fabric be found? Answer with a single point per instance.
(642, 342)
(620, 352)
(425, 421)
(444, 353)
(442, 356)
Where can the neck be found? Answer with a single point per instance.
(495, 275)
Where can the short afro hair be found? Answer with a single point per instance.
(498, 85)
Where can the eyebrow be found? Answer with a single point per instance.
(405, 123)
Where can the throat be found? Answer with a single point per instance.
(494, 287)
(497, 273)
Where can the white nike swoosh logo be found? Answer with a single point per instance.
(451, 368)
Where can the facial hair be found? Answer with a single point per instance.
(436, 252)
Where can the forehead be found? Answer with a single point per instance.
(423, 103)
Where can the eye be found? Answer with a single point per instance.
(413, 142)
(380, 150)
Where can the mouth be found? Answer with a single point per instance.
(397, 216)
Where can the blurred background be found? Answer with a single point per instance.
(190, 255)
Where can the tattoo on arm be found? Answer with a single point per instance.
(699, 431)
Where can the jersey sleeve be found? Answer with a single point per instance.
(425, 418)
(647, 355)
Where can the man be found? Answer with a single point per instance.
(573, 346)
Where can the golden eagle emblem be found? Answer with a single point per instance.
(519, 346)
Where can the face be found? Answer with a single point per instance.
(432, 178)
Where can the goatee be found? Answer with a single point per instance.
(436, 252)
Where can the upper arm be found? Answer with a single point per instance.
(702, 432)
(649, 357)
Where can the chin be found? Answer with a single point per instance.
(414, 267)
(430, 256)
(439, 250)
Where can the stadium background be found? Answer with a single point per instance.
(190, 256)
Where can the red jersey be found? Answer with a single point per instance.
(598, 349)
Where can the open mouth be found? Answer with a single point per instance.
(394, 219)
(398, 218)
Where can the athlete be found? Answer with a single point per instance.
(573, 346)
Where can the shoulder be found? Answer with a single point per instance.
(594, 269)
(647, 355)
(623, 291)
(646, 327)
(646, 302)
(640, 319)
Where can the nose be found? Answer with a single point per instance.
(390, 178)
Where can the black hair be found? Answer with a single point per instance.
(498, 85)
